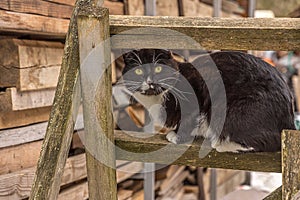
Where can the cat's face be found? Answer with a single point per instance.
(149, 71)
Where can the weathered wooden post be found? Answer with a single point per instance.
(95, 74)
(290, 164)
(63, 115)
(62, 119)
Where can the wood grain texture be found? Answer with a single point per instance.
(63, 2)
(290, 164)
(17, 185)
(133, 148)
(136, 7)
(12, 100)
(14, 22)
(19, 157)
(167, 8)
(93, 29)
(39, 7)
(29, 65)
(76, 192)
(210, 33)
(17, 136)
(115, 8)
(65, 107)
(13, 119)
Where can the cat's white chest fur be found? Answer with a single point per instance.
(153, 103)
(148, 100)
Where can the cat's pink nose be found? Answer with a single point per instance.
(149, 80)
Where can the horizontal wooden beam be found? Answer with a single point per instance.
(135, 147)
(209, 33)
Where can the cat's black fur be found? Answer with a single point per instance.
(259, 102)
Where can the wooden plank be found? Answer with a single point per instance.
(124, 194)
(128, 170)
(12, 100)
(296, 85)
(64, 2)
(220, 33)
(230, 185)
(66, 103)
(32, 24)
(167, 8)
(77, 192)
(22, 135)
(38, 7)
(133, 148)
(290, 164)
(136, 7)
(93, 29)
(19, 157)
(17, 185)
(115, 8)
(196, 8)
(29, 65)
(14, 119)
(34, 132)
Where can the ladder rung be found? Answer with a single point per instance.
(139, 148)
(210, 33)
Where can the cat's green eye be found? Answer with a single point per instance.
(138, 71)
(158, 69)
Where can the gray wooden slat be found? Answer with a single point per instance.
(209, 33)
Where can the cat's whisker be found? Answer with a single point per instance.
(177, 92)
(136, 62)
(140, 61)
(169, 78)
(155, 60)
(133, 88)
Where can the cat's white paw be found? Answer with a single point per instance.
(228, 146)
(172, 137)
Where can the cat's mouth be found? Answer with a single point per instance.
(152, 89)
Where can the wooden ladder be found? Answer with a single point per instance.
(88, 43)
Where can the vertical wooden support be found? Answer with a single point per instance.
(290, 164)
(93, 32)
(61, 123)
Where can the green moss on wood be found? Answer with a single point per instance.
(264, 161)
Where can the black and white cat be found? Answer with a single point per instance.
(259, 104)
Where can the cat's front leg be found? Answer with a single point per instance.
(184, 130)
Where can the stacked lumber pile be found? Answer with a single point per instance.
(171, 183)
(181, 183)
(29, 72)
